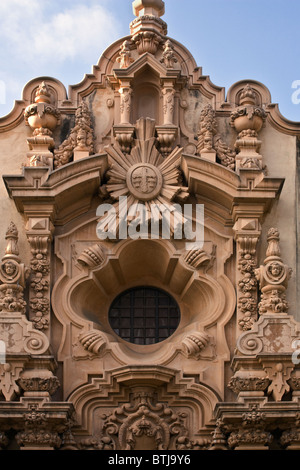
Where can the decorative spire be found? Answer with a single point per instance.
(148, 13)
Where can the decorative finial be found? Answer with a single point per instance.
(247, 96)
(42, 94)
(273, 278)
(148, 7)
(12, 250)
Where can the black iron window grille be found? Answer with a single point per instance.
(144, 315)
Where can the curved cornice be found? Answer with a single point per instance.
(225, 189)
(64, 193)
(69, 190)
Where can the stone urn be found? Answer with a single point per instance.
(42, 114)
(248, 116)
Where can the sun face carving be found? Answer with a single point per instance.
(144, 176)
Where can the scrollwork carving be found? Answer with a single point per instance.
(144, 418)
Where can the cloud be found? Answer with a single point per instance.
(35, 32)
(50, 37)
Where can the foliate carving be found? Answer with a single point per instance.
(225, 154)
(39, 299)
(147, 41)
(80, 140)
(273, 278)
(4, 441)
(207, 129)
(166, 135)
(251, 434)
(247, 235)
(210, 141)
(37, 432)
(39, 237)
(291, 437)
(144, 420)
(39, 384)
(249, 438)
(248, 383)
(169, 58)
(247, 303)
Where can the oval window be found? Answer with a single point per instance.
(144, 315)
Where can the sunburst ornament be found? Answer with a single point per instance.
(144, 178)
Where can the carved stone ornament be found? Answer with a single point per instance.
(198, 345)
(43, 118)
(92, 257)
(198, 259)
(80, 142)
(169, 58)
(247, 233)
(210, 144)
(144, 423)
(39, 237)
(37, 433)
(271, 337)
(148, 14)
(143, 177)
(38, 382)
(125, 59)
(147, 41)
(89, 344)
(15, 330)
(248, 119)
(12, 275)
(273, 278)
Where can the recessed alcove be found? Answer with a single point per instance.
(148, 263)
(146, 96)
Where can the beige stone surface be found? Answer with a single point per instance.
(146, 125)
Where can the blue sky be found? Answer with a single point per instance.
(230, 39)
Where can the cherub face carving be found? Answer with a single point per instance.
(9, 268)
(275, 270)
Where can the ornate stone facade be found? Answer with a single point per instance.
(88, 362)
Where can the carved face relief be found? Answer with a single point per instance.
(275, 271)
(9, 271)
(144, 181)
